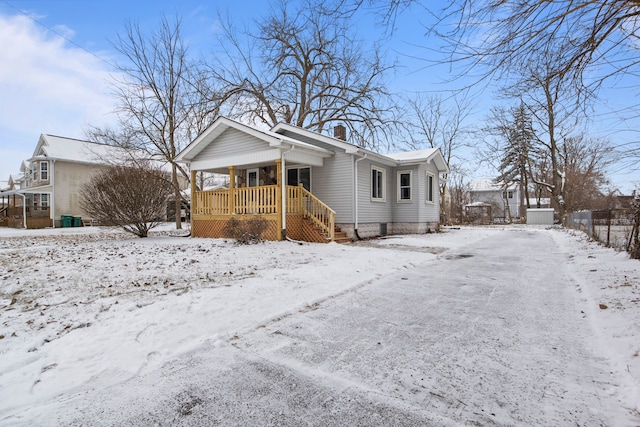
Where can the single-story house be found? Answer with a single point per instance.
(308, 185)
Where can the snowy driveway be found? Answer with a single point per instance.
(492, 333)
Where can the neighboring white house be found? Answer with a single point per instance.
(498, 196)
(301, 180)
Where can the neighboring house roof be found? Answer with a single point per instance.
(475, 204)
(24, 167)
(75, 150)
(487, 184)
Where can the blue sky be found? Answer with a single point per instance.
(55, 58)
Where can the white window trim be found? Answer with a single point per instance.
(384, 184)
(433, 190)
(399, 198)
(46, 170)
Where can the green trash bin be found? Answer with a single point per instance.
(77, 221)
(66, 220)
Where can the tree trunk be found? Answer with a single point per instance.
(633, 247)
(444, 218)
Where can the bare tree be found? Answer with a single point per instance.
(458, 195)
(633, 245)
(586, 35)
(552, 106)
(585, 162)
(133, 198)
(434, 124)
(162, 98)
(558, 158)
(302, 65)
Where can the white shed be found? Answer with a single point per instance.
(540, 216)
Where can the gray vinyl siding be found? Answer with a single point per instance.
(333, 184)
(407, 211)
(231, 143)
(369, 210)
(428, 211)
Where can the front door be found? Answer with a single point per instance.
(252, 178)
(251, 198)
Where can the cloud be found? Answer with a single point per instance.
(47, 85)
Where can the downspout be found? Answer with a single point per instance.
(52, 203)
(284, 190)
(355, 192)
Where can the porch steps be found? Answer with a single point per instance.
(340, 236)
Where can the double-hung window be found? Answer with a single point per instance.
(429, 189)
(44, 171)
(404, 186)
(377, 184)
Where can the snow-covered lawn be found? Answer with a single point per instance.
(510, 326)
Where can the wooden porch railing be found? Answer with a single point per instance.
(256, 200)
(249, 200)
(213, 202)
(263, 200)
(302, 201)
(32, 211)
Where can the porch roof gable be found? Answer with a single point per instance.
(273, 140)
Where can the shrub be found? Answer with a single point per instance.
(247, 231)
(133, 198)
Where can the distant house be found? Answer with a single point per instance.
(49, 182)
(308, 185)
(498, 196)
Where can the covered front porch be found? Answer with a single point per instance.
(269, 176)
(25, 210)
(291, 211)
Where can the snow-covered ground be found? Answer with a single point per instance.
(472, 326)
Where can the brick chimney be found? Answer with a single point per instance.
(340, 132)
